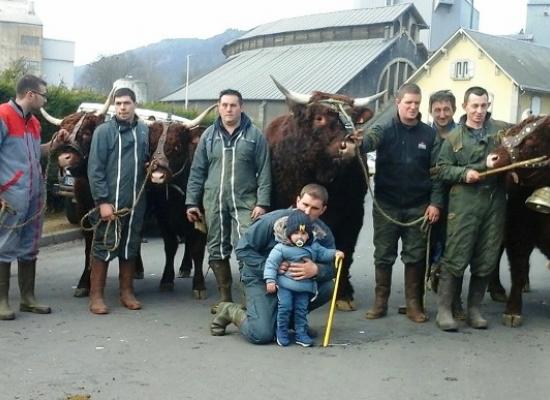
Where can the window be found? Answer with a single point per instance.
(462, 70)
(393, 76)
(32, 67)
(27, 40)
(535, 105)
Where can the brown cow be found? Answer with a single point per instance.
(525, 228)
(172, 147)
(309, 146)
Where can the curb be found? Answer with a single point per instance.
(60, 237)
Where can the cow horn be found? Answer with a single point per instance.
(107, 103)
(49, 118)
(363, 101)
(189, 124)
(298, 98)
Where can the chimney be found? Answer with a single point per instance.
(30, 10)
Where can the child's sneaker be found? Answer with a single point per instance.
(282, 338)
(303, 339)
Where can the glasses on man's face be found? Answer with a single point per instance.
(44, 95)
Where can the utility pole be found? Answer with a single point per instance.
(187, 83)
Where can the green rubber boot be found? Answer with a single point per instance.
(227, 313)
(6, 313)
(26, 274)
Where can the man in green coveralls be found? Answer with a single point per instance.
(116, 170)
(475, 221)
(231, 177)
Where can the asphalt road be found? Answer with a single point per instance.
(165, 350)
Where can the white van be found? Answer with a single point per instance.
(142, 113)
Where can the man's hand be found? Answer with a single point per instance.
(432, 214)
(472, 176)
(257, 212)
(303, 270)
(194, 214)
(107, 211)
(339, 254)
(271, 287)
(357, 136)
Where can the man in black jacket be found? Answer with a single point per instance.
(405, 192)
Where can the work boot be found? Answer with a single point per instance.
(226, 314)
(98, 276)
(26, 273)
(414, 292)
(382, 276)
(459, 313)
(222, 272)
(478, 286)
(446, 292)
(126, 284)
(6, 312)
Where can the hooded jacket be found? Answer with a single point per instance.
(285, 250)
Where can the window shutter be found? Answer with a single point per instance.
(452, 69)
(470, 64)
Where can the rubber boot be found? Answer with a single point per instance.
(98, 276)
(458, 310)
(414, 292)
(6, 313)
(227, 313)
(446, 292)
(222, 272)
(478, 286)
(382, 276)
(26, 274)
(126, 284)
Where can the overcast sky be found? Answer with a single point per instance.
(106, 27)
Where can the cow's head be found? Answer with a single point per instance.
(327, 120)
(80, 125)
(528, 140)
(173, 145)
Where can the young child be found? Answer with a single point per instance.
(296, 242)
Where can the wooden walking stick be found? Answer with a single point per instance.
(338, 264)
(520, 164)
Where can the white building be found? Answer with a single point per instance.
(21, 37)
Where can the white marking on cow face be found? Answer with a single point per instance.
(158, 177)
(491, 160)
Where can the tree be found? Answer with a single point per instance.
(101, 74)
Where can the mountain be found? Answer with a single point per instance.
(162, 65)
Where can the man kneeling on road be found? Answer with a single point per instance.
(257, 323)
